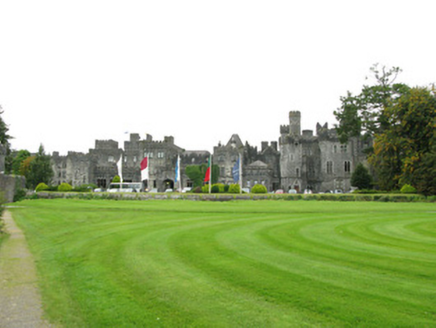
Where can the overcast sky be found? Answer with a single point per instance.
(75, 71)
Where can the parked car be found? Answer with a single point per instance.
(292, 191)
(338, 191)
(186, 189)
(153, 190)
(307, 191)
(169, 190)
(246, 190)
(279, 191)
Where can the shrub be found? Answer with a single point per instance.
(197, 190)
(65, 187)
(85, 187)
(41, 187)
(116, 179)
(19, 194)
(226, 188)
(205, 189)
(220, 187)
(408, 189)
(259, 189)
(234, 188)
(361, 177)
(215, 189)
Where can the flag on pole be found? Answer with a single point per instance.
(177, 177)
(207, 176)
(119, 167)
(235, 171)
(144, 169)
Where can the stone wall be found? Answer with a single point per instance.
(8, 185)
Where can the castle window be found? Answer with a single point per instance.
(329, 167)
(134, 159)
(193, 160)
(292, 157)
(347, 166)
(334, 149)
(125, 159)
(297, 171)
(343, 148)
(111, 159)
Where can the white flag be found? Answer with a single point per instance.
(119, 166)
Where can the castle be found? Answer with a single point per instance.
(300, 161)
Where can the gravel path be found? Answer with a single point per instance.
(20, 302)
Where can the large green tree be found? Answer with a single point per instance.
(363, 113)
(404, 151)
(40, 169)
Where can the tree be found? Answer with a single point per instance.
(404, 151)
(363, 114)
(25, 166)
(4, 137)
(40, 169)
(196, 174)
(361, 177)
(17, 160)
(4, 140)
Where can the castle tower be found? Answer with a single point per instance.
(295, 123)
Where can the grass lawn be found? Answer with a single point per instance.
(234, 264)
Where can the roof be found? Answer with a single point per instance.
(258, 163)
(235, 140)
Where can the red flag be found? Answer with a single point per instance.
(144, 169)
(207, 176)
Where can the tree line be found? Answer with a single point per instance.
(401, 122)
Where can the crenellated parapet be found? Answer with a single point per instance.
(284, 129)
(106, 144)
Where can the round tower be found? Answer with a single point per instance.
(295, 123)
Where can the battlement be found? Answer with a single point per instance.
(266, 144)
(284, 129)
(106, 144)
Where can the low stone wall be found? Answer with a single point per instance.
(230, 197)
(8, 185)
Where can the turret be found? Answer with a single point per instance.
(295, 123)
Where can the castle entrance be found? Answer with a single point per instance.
(168, 184)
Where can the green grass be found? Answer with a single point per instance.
(234, 264)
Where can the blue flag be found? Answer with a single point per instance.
(177, 176)
(235, 171)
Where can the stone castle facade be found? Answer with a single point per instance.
(301, 160)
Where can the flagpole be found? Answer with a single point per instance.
(240, 174)
(180, 176)
(210, 174)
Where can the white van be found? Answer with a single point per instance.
(125, 187)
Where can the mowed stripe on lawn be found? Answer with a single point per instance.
(265, 263)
